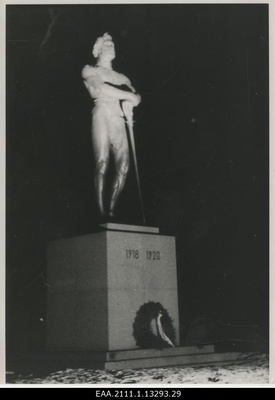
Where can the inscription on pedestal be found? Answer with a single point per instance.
(149, 254)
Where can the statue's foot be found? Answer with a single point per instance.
(102, 216)
(102, 212)
(113, 217)
(111, 214)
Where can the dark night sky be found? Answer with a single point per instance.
(201, 136)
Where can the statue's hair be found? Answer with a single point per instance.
(99, 43)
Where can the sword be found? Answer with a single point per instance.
(129, 121)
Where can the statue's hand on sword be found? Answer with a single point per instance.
(127, 107)
(129, 104)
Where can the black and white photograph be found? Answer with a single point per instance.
(137, 195)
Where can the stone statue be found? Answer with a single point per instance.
(114, 99)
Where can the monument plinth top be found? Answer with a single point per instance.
(129, 228)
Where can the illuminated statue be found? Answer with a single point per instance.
(114, 100)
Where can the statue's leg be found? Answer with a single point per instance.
(101, 149)
(122, 168)
(122, 161)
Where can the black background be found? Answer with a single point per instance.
(201, 137)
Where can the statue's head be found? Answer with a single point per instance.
(104, 47)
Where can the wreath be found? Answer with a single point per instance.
(144, 322)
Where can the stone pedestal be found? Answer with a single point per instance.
(98, 282)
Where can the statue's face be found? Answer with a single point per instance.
(108, 50)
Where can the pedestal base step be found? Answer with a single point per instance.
(169, 361)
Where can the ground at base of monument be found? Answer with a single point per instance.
(251, 368)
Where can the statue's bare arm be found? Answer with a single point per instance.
(97, 88)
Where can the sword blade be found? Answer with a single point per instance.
(132, 140)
